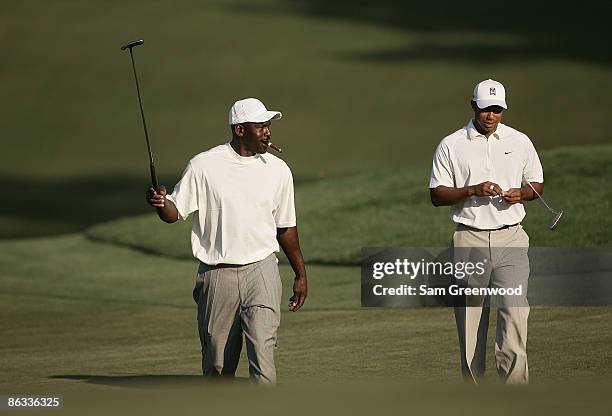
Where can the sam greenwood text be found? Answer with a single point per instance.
(453, 290)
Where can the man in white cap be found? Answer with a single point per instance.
(244, 209)
(481, 172)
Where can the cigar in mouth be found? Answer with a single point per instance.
(275, 147)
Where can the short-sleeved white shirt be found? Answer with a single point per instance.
(467, 157)
(240, 202)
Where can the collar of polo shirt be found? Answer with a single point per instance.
(472, 133)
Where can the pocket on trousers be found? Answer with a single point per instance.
(265, 316)
(213, 279)
(204, 295)
(270, 296)
(198, 288)
(522, 237)
(526, 236)
(200, 280)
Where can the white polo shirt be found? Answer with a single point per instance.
(240, 202)
(467, 157)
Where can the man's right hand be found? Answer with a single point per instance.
(166, 210)
(487, 188)
(156, 199)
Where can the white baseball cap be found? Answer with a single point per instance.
(488, 93)
(251, 110)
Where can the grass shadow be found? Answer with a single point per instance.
(448, 30)
(144, 381)
(40, 206)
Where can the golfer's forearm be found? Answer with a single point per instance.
(527, 193)
(168, 213)
(297, 264)
(290, 243)
(444, 195)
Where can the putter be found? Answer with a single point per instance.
(129, 46)
(555, 221)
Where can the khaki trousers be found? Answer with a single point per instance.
(507, 265)
(234, 301)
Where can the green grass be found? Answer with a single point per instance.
(91, 321)
(362, 88)
(348, 398)
(338, 216)
(74, 110)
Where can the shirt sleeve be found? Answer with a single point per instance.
(284, 216)
(185, 195)
(442, 168)
(532, 171)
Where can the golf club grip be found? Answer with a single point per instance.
(132, 44)
(154, 178)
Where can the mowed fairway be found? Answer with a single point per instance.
(105, 317)
(378, 208)
(91, 321)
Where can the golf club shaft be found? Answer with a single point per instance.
(540, 198)
(144, 123)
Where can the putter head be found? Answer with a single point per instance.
(555, 221)
(131, 44)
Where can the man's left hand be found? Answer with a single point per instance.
(300, 291)
(512, 195)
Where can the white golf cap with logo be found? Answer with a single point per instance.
(251, 110)
(488, 93)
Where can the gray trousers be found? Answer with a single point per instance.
(234, 301)
(507, 265)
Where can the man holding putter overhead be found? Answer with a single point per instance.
(479, 171)
(244, 209)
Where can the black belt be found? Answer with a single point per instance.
(491, 229)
